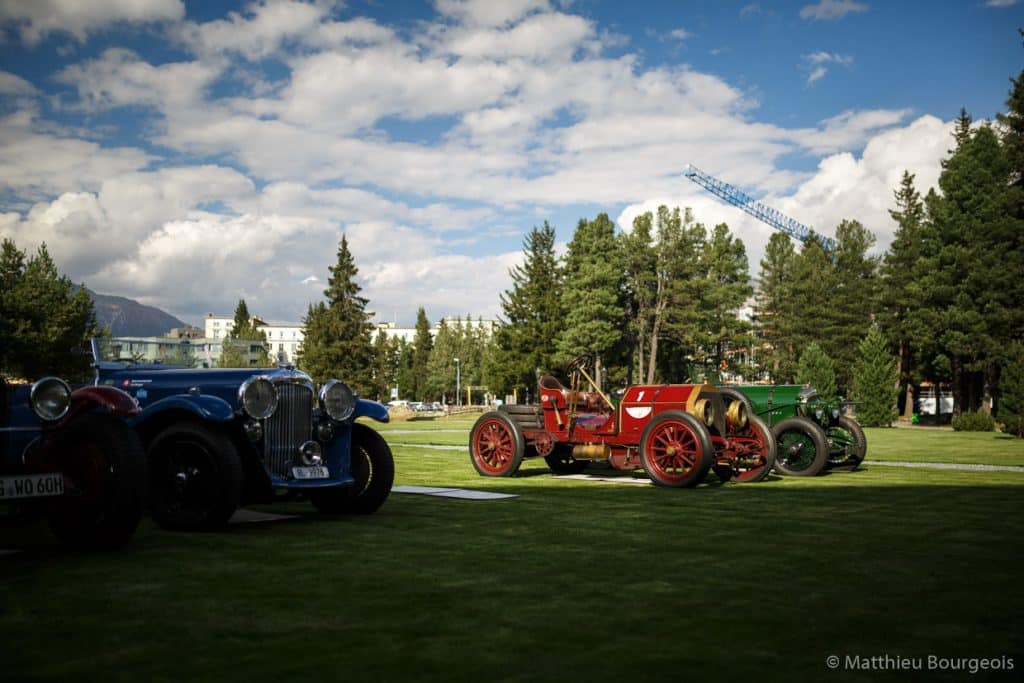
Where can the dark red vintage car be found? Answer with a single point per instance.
(675, 432)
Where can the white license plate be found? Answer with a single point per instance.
(318, 472)
(31, 486)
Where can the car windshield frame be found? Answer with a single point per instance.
(112, 353)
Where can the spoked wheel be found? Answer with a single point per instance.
(676, 450)
(195, 478)
(755, 452)
(803, 448)
(103, 461)
(373, 468)
(847, 444)
(561, 461)
(496, 445)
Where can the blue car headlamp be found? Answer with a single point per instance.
(258, 397)
(49, 398)
(337, 400)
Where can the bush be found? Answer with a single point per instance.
(973, 422)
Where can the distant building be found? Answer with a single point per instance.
(408, 334)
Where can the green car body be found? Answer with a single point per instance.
(812, 433)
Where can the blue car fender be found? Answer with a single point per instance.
(371, 409)
(209, 408)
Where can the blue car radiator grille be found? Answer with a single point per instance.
(289, 427)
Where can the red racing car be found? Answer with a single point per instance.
(675, 432)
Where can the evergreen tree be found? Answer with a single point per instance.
(853, 302)
(1013, 130)
(725, 287)
(422, 344)
(961, 130)
(680, 246)
(900, 290)
(806, 315)
(337, 339)
(441, 363)
(592, 296)
(384, 367)
(874, 381)
(532, 317)
(969, 270)
(771, 305)
(45, 321)
(404, 378)
(816, 369)
(640, 264)
(243, 337)
(1011, 385)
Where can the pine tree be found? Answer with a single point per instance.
(45, 321)
(441, 364)
(771, 306)
(422, 344)
(853, 302)
(900, 286)
(639, 262)
(337, 338)
(1013, 129)
(592, 297)
(532, 317)
(725, 287)
(874, 381)
(816, 369)
(383, 375)
(1011, 385)
(243, 337)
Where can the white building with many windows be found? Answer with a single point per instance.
(284, 338)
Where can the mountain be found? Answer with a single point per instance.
(128, 318)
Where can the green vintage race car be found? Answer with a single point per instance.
(812, 433)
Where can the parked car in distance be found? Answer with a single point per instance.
(70, 455)
(813, 433)
(217, 438)
(675, 432)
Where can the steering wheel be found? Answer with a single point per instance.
(584, 362)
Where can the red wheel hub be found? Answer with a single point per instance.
(673, 450)
(494, 446)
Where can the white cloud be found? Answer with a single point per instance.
(488, 13)
(39, 163)
(816, 62)
(258, 32)
(844, 186)
(1001, 3)
(831, 10)
(680, 34)
(10, 84)
(35, 19)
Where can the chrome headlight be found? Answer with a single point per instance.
(337, 400)
(258, 397)
(50, 398)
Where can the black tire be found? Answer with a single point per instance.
(373, 468)
(195, 478)
(103, 460)
(847, 444)
(802, 447)
(729, 394)
(496, 445)
(661, 442)
(561, 461)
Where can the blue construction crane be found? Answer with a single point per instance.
(762, 212)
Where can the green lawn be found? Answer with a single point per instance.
(571, 581)
(925, 444)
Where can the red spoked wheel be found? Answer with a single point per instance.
(752, 453)
(676, 450)
(496, 445)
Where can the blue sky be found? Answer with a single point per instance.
(191, 154)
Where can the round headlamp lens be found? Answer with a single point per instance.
(49, 398)
(259, 397)
(337, 400)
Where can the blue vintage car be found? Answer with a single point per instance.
(71, 456)
(220, 437)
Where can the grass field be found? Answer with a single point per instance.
(577, 581)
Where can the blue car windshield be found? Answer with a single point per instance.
(180, 353)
